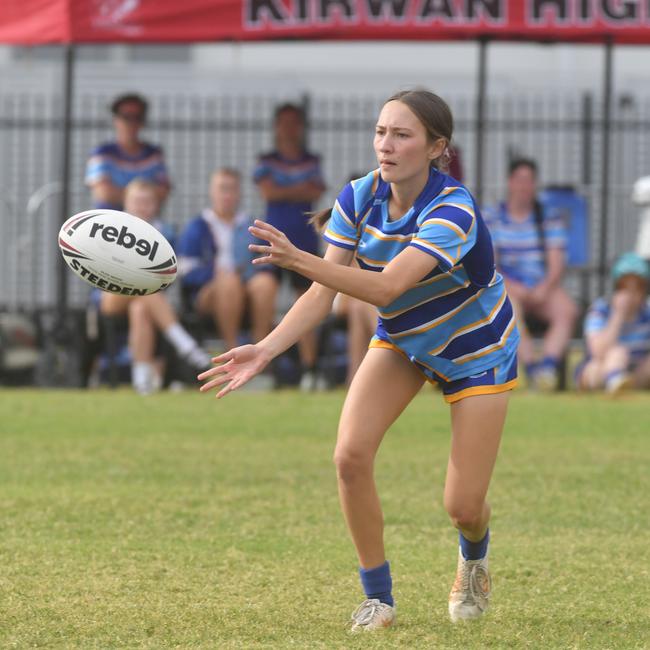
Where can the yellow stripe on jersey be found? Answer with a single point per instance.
(397, 312)
(447, 224)
(371, 262)
(438, 321)
(378, 234)
(340, 238)
(489, 348)
(440, 276)
(460, 206)
(472, 326)
(449, 190)
(435, 249)
(362, 222)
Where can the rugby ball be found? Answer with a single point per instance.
(117, 252)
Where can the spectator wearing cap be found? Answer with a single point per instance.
(113, 165)
(530, 250)
(617, 332)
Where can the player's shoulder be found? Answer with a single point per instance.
(454, 193)
(359, 191)
(366, 186)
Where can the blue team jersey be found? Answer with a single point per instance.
(457, 321)
(109, 162)
(291, 218)
(520, 253)
(635, 335)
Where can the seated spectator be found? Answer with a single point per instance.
(361, 320)
(617, 332)
(530, 249)
(215, 267)
(289, 179)
(113, 165)
(150, 314)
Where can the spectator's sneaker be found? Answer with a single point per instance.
(470, 595)
(619, 382)
(199, 359)
(372, 614)
(308, 381)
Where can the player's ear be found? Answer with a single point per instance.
(437, 148)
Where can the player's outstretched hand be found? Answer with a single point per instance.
(280, 251)
(237, 366)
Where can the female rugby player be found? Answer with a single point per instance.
(425, 260)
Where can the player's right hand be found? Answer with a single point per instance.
(237, 366)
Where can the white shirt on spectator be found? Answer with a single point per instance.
(222, 233)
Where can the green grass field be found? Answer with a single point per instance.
(177, 521)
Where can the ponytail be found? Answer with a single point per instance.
(319, 219)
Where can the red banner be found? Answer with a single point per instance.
(36, 22)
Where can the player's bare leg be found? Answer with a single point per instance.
(371, 406)
(477, 423)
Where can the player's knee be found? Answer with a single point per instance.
(464, 515)
(351, 463)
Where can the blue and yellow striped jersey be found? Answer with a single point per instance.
(457, 321)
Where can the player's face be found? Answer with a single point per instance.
(141, 203)
(290, 128)
(128, 121)
(522, 185)
(402, 145)
(224, 194)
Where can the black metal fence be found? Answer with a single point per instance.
(198, 133)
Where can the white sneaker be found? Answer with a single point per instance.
(469, 597)
(372, 614)
(619, 383)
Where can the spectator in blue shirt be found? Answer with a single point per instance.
(617, 331)
(150, 314)
(289, 179)
(214, 264)
(113, 165)
(530, 245)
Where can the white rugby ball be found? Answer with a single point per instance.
(117, 252)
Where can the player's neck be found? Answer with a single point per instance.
(404, 194)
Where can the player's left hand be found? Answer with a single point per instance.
(280, 250)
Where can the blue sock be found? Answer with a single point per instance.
(550, 362)
(377, 583)
(474, 550)
(530, 369)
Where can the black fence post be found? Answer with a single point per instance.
(605, 167)
(480, 118)
(66, 135)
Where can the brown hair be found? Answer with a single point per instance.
(438, 121)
